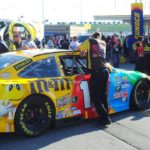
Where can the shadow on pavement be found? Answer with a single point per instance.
(11, 141)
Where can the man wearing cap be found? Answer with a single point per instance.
(16, 43)
(95, 50)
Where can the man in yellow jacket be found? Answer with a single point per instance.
(95, 49)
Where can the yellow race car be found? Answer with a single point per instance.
(40, 88)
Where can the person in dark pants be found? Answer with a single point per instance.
(96, 51)
(98, 84)
(139, 66)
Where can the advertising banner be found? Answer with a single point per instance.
(87, 26)
(137, 20)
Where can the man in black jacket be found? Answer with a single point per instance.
(95, 48)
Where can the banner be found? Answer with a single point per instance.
(137, 20)
(87, 26)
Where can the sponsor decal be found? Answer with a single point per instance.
(117, 81)
(124, 96)
(73, 108)
(124, 79)
(62, 101)
(23, 64)
(75, 99)
(44, 85)
(125, 86)
(117, 95)
(76, 112)
(65, 113)
(59, 115)
(118, 88)
(124, 99)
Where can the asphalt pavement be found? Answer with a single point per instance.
(129, 131)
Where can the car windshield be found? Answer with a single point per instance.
(6, 60)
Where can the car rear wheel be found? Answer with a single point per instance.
(140, 95)
(34, 116)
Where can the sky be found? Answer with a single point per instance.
(65, 10)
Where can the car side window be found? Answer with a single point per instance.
(73, 65)
(41, 69)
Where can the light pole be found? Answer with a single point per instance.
(43, 17)
(81, 10)
(115, 4)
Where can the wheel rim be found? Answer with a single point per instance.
(35, 116)
(142, 94)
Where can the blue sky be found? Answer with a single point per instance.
(65, 10)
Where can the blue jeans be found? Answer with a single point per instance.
(116, 60)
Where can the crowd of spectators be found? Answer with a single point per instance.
(117, 46)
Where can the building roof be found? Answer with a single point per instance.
(124, 18)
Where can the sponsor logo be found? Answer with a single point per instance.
(73, 108)
(59, 115)
(117, 95)
(44, 85)
(62, 101)
(23, 64)
(125, 86)
(75, 99)
(76, 112)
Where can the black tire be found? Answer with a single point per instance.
(140, 96)
(34, 116)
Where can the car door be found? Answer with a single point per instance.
(75, 69)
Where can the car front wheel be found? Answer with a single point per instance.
(34, 116)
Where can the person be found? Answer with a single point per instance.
(43, 42)
(96, 51)
(139, 66)
(115, 51)
(108, 48)
(37, 43)
(55, 42)
(16, 43)
(74, 43)
(50, 43)
(64, 43)
(28, 43)
(3, 46)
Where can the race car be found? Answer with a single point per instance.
(41, 88)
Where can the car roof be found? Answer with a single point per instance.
(36, 52)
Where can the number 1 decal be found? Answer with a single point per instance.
(86, 93)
